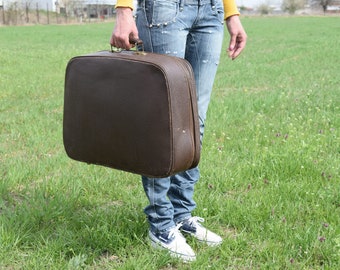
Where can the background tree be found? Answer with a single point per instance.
(324, 4)
(292, 5)
(264, 9)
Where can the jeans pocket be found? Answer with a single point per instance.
(160, 12)
(219, 13)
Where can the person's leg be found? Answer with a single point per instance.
(160, 210)
(181, 193)
(162, 30)
(203, 48)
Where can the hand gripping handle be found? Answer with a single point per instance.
(138, 44)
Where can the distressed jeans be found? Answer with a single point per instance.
(190, 29)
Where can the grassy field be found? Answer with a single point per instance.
(270, 180)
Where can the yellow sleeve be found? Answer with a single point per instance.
(124, 3)
(230, 8)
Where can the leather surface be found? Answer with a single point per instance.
(131, 111)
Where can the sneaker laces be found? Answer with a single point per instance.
(195, 220)
(175, 230)
(194, 227)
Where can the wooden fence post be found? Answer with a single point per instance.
(48, 14)
(37, 12)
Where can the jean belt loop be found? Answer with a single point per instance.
(213, 4)
(181, 5)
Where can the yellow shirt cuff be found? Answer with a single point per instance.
(230, 8)
(124, 3)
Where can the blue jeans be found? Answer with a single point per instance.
(190, 29)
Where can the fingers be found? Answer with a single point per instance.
(124, 41)
(235, 48)
(120, 42)
(232, 46)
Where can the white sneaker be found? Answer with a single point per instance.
(193, 227)
(173, 241)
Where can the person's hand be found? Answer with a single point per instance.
(238, 36)
(124, 30)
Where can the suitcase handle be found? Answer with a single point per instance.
(138, 45)
(136, 42)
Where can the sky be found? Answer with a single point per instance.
(256, 3)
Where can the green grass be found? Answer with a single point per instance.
(270, 165)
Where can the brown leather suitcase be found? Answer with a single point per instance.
(132, 111)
